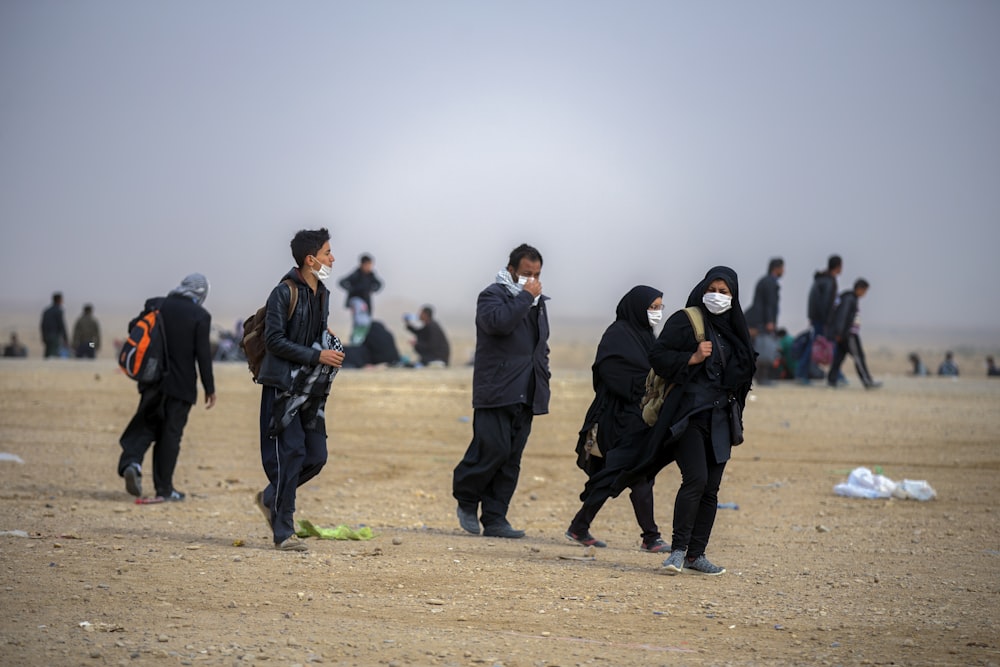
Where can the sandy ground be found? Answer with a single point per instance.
(813, 578)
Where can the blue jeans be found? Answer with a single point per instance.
(805, 361)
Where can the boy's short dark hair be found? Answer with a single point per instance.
(835, 262)
(775, 263)
(308, 242)
(860, 283)
(524, 251)
(365, 259)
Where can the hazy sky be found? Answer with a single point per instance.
(631, 142)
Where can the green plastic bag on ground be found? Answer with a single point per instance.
(309, 529)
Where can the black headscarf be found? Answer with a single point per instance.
(630, 335)
(731, 325)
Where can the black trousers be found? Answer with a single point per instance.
(641, 496)
(290, 459)
(853, 347)
(159, 421)
(698, 497)
(488, 472)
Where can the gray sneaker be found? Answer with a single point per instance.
(675, 563)
(702, 565)
(264, 509)
(292, 543)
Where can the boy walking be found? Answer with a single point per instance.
(301, 358)
(846, 330)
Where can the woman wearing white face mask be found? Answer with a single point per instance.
(702, 418)
(614, 418)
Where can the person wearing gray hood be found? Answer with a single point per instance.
(163, 407)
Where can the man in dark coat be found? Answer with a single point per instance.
(86, 334)
(762, 319)
(510, 384)
(164, 407)
(53, 327)
(822, 298)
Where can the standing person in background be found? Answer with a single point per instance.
(430, 344)
(991, 367)
(614, 416)
(86, 334)
(361, 283)
(510, 384)
(164, 407)
(762, 319)
(822, 298)
(300, 360)
(846, 330)
(53, 328)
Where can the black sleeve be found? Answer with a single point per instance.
(203, 353)
(673, 349)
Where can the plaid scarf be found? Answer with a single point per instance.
(307, 396)
(503, 278)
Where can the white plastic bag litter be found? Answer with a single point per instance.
(862, 483)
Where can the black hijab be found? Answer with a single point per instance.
(731, 325)
(630, 335)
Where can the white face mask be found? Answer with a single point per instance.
(323, 272)
(717, 303)
(654, 316)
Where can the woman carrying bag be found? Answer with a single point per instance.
(699, 427)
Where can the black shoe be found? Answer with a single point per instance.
(586, 539)
(174, 496)
(502, 529)
(468, 520)
(656, 546)
(133, 479)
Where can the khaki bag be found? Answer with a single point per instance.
(656, 387)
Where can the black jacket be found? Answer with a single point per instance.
(512, 355)
(764, 309)
(362, 285)
(822, 296)
(843, 316)
(288, 342)
(187, 326)
(432, 344)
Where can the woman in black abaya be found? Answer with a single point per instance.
(619, 376)
(713, 378)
